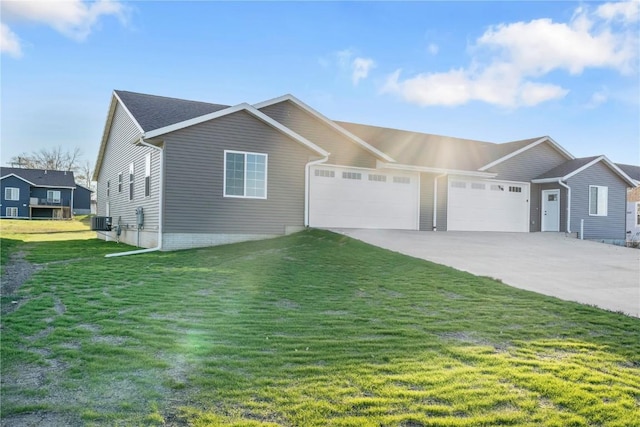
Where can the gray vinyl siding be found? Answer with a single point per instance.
(194, 179)
(343, 150)
(119, 153)
(527, 166)
(613, 225)
(426, 203)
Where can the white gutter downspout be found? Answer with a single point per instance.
(307, 184)
(568, 204)
(435, 201)
(160, 202)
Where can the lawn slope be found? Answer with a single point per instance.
(312, 329)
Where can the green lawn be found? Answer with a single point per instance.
(312, 329)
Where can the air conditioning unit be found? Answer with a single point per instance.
(101, 223)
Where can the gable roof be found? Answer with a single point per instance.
(512, 149)
(41, 177)
(632, 170)
(574, 166)
(331, 123)
(152, 112)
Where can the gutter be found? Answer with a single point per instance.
(568, 204)
(307, 169)
(160, 203)
(435, 201)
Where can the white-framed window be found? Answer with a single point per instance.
(11, 193)
(325, 173)
(477, 186)
(598, 200)
(514, 189)
(401, 180)
(108, 187)
(53, 196)
(377, 178)
(245, 174)
(147, 175)
(638, 214)
(12, 212)
(458, 184)
(120, 182)
(132, 178)
(351, 175)
(496, 187)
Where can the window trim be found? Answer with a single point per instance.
(132, 180)
(53, 199)
(12, 191)
(108, 187)
(244, 178)
(147, 175)
(602, 201)
(120, 182)
(12, 209)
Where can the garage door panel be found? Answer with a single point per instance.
(362, 203)
(485, 205)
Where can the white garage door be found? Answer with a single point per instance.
(485, 205)
(359, 198)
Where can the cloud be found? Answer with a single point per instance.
(72, 18)
(361, 67)
(358, 67)
(510, 59)
(9, 42)
(598, 98)
(433, 48)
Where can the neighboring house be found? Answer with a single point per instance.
(633, 203)
(178, 174)
(82, 200)
(36, 193)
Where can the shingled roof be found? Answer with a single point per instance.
(41, 177)
(632, 170)
(567, 167)
(154, 112)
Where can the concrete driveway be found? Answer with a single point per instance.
(603, 275)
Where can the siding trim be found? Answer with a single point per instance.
(236, 108)
(327, 121)
(523, 149)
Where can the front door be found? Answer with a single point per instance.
(550, 210)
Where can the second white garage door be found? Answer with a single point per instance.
(486, 205)
(360, 198)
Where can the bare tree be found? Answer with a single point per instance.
(84, 173)
(49, 158)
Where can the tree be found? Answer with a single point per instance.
(50, 159)
(84, 173)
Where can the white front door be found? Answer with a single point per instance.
(550, 210)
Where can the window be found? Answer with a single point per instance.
(147, 175)
(120, 182)
(477, 186)
(108, 187)
(11, 193)
(401, 180)
(598, 197)
(496, 187)
(132, 178)
(12, 212)
(325, 173)
(515, 189)
(53, 196)
(351, 175)
(377, 178)
(638, 213)
(458, 184)
(245, 175)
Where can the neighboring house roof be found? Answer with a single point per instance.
(632, 170)
(41, 177)
(331, 123)
(83, 187)
(574, 166)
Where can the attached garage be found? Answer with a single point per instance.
(361, 198)
(487, 205)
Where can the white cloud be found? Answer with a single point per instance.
(598, 98)
(433, 48)
(9, 42)
(73, 18)
(361, 67)
(511, 57)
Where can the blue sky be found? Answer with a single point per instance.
(491, 71)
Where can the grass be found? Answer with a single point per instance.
(312, 329)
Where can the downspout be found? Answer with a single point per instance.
(307, 183)
(435, 201)
(568, 204)
(160, 203)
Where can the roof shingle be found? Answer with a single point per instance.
(41, 177)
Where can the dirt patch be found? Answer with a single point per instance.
(16, 272)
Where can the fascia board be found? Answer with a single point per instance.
(546, 180)
(230, 110)
(327, 121)
(438, 171)
(19, 177)
(36, 185)
(528, 147)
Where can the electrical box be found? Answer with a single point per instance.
(140, 217)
